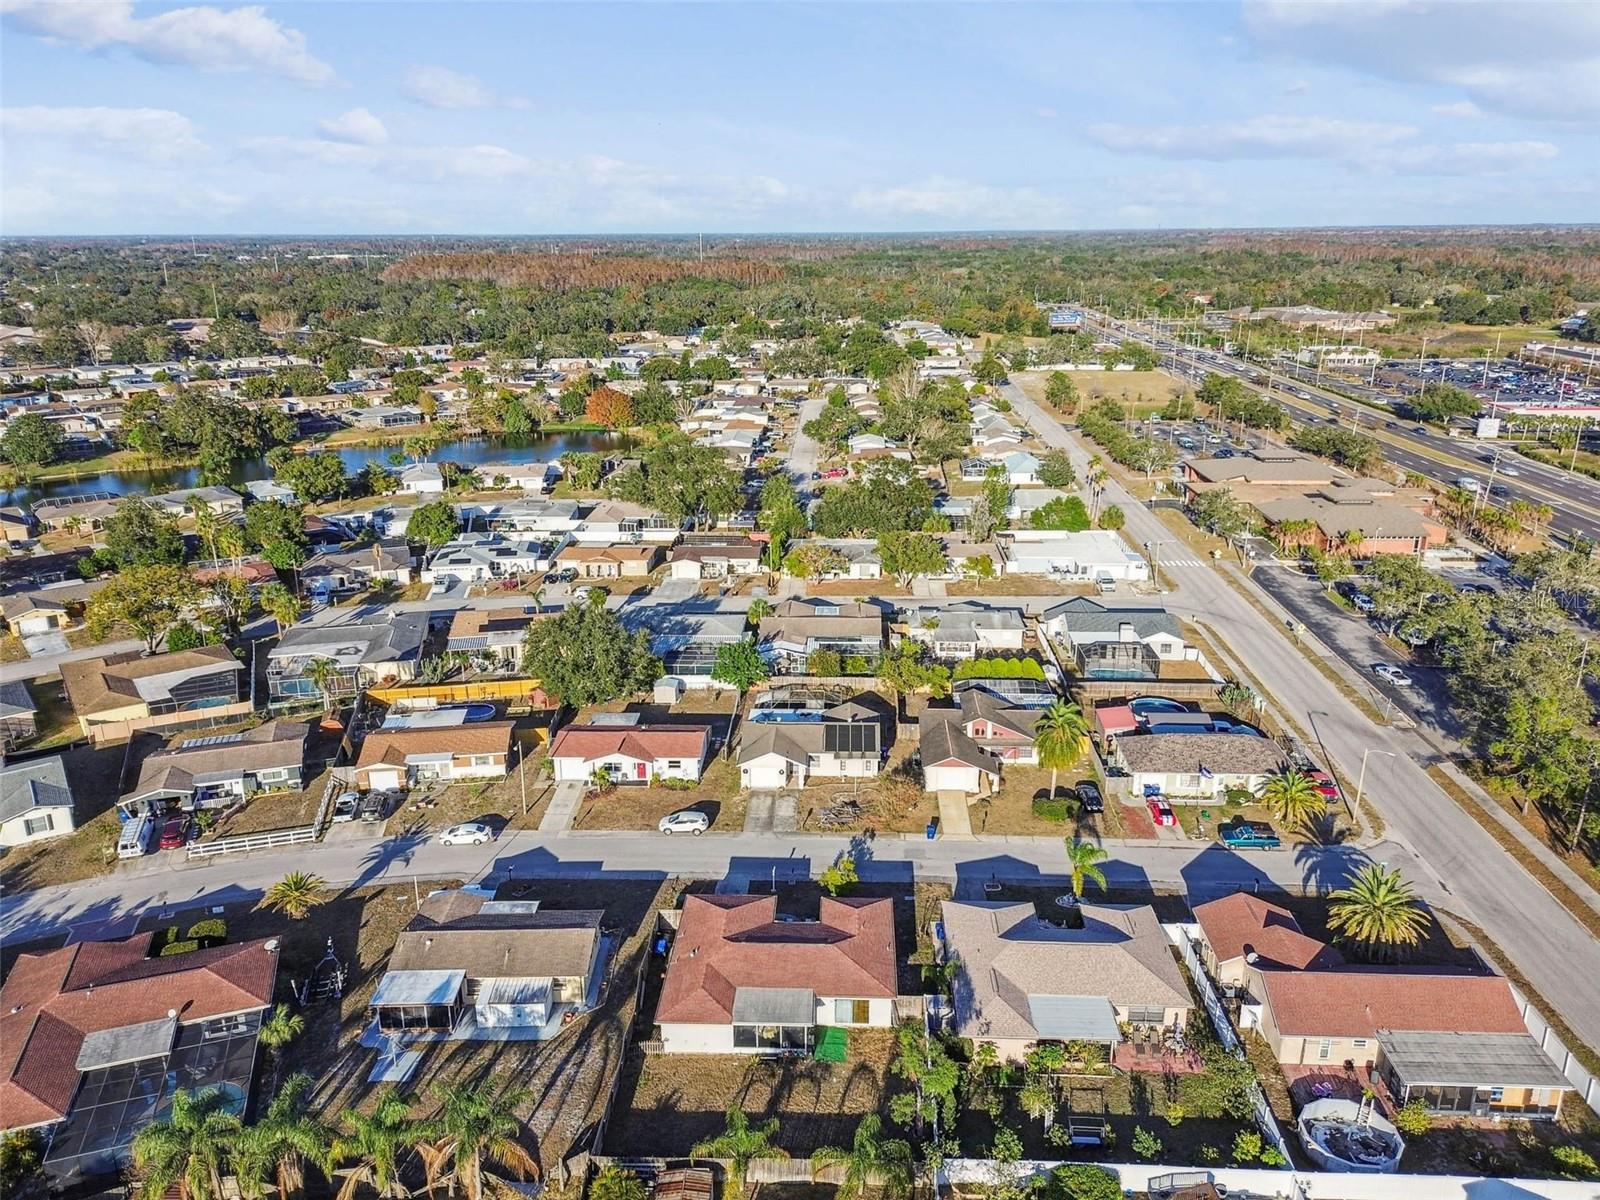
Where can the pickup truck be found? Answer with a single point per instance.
(1249, 835)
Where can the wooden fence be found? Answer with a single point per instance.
(203, 718)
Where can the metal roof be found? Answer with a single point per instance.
(1469, 1059)
(1090, 1018)
(127, 1043)
(774, 1006)
(419, 987)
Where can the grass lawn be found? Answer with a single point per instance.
(717, 795)
(12, 650)
(1558, 840)
(1454, 340)
(1010, 810)
(91, 849)
(58, 724)
(1139, 392)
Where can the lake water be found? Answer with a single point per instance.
(468, 452)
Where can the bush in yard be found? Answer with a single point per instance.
(1273, 1157)
(184, 947)
(1247, 1147)
(1413, 1119)
(1112, 517)
(212, 929)
(825, 662)
(1175, 1114)
(1052, 808)
(1145, 1144)
(840, 879)
(1080, 1181)
(1210, 1154)
(617, 1183)
(1575, 1162)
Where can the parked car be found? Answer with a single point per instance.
(375, 807)
(1089, 797)
(175, 832)
(1249, 835)
(835, 473)
(1364, 604)
(1325, 784)
(1392, 674)
(1160, 811)
(685, 821)
(468, 833)
(134, 838)
(346, 807)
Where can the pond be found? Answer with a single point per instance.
(467, 451)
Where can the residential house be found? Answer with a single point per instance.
(422, 479)
(1003, 731)
(357, 568)
(475, 967)
(1020, 467)
(534, 477)
(742, 980)
(952, 761)
(383, 416)
(19, 715)
(628, 752)
(485, 557)
(86, 512)
(845, 742)
(268, 489)
(33, 612)
(967, 629)
(1122, 642)
(224, 502)
(221, 770)
(859, 557)
(609, 561)
(35, 801)
(1243, 932)
(134, 687)
(714, 560)
(97, 1037)
(545, 518)
(401, 759)
(364, 651)
(1021, 981)
(874, 445)
(1088, 556)
(798, 628)
(687, 643)
(16, 526)
(619, 522)
(495, 634)
(1197, 766)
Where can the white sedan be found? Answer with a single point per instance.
(1392, 674)
(685, 821)
(468, 833)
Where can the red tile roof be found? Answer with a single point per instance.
(1358, 1002)
(1241, 923)
(50, 1002)
(728, 942)
(645, 743)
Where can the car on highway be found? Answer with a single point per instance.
(1391, 674)
(1469, 483)
(1160, 811)
(1499, 489)
(1419, 429)
(1248, 835)
(1508, 469)
(468, 833)
(685, 820)
(175, 832)
(1089, 797)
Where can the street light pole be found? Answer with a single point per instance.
(1361, 780)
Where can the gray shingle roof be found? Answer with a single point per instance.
(35, 783)
(1082, 615)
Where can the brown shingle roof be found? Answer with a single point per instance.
(1358, 1002)
(96, 684)
(453, 933)
(1239, 924)
(725, 943)
(1186, 753)
(577, 553)
(644, 742)
(393, 745)
(270, 744)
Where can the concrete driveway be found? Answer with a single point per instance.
(38, 645)
(772, 812)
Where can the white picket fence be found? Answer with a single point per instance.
(277, 837)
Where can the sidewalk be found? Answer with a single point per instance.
(563, 808)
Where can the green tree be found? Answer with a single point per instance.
(740, 1143)
(1292, 797)
(872, 1163)
(617, 1183)
(840, 877)
(278, 530)
(1221, 513)
(1378, 912)
(30, 441)
(281, 1143)
(312, 477)
(188, 1149)
(924, 1063)
(1413, 1119)
(323, 672)
(295, 895)
(149, 600)
(1112, 518)
(377, 1143)
(740, 665)
(1061, 392)
(907, 555)
(1064, 512)
(21, 1159)
(583, 470)
(1055, 470)
(1083, 864)
(1441, 401)
(905, 668)
(433, 524)
(584, 656)
(282, 605)
(136, 534)
(810, 561)
(1082, 1181)
(472, 1139)
(1146, 1145)
(1059, 737)
(184, 636)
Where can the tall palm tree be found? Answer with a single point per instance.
(206, 524)
(475, 1127)
(1378, 911)
(322, 672)
(280, 1144)
(872, 1161)
(230, 543)
(282, 605)
(378, 1143)
(1083, 864)
(1058, 737)
(1292, 797)
(741, 1142)
(295, 895)
(277, 1031)
(187, 1150)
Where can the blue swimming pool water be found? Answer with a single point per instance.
(1145, 705)
(479, 712)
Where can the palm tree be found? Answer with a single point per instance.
(1083, 863)
(281, 1143)
(295, 895)
(759, 609)
(474, 1126)
(1292, 797)
(206, 524)
(230, 543)
(282, 605)
(277, 1031)
(187, 1149)
(1378, 911)
(739, 1143)
(872, 1161)
(322, 672)
(377, 1142)
(1058, 738)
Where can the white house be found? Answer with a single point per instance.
(1020, 467)
(481, 557)
(422, 479)
(616, 522)
(399, 759)
(717, 560)
(967, 629)
(743, 980)
(35, 801)
(627, 752)
(1089, 555)
(533, 477)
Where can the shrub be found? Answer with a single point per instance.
(1247, 1146)
(1413, 1119)
(1112, 517)
(1053, 809)
(1080, 1181)
(1273, 1157)
(212, 929)
(840, 879)
(1175, 1114)
(1210, 1154)
(184, 947)
(1145, 1144)
(1575, 1162)
(677, 785)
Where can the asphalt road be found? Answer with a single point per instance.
(1477, 878)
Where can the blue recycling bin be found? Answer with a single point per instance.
(933, 830)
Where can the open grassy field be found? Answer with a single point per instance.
(1140, 392)
(1455, 340)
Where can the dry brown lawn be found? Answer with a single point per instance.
(717, 795)
(1010, 810)
(90, 849)
(1140, 392)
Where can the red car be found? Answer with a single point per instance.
(835, 473)
(1160, 811)
(174, 833)
(1325, 784)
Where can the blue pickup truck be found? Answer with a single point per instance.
(1249, 835)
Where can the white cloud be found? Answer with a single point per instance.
(1464, 109)
(156, 133)
(204, 37)
(429, 163)
(1257, 137)
(1537, 60)
(358, 125)
(440, 87)
(962, 202)
(1466, 158)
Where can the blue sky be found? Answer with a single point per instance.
(610, 117)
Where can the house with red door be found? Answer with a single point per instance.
(626, 751)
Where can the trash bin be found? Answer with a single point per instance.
(933, 830)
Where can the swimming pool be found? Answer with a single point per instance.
(1145, 705)
(477, 712)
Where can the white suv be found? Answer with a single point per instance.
(685, 821)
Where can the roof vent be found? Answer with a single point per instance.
(1251, 957)
(270, 945)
